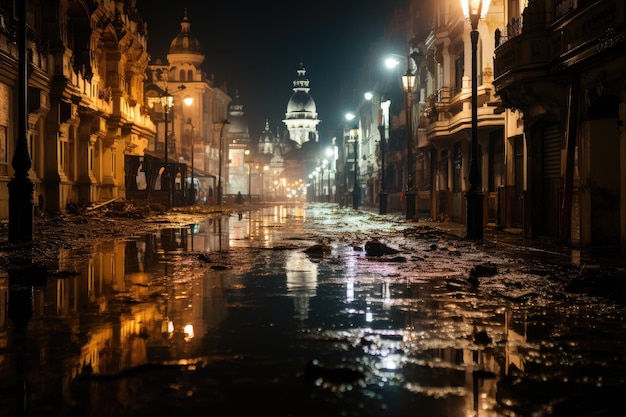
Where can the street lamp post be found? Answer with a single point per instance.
(262, 170)
(355, 188)
(383, 114)
(408, 82)
(474, 10)
(322, 194)
(188, 102)
(319, 183)
(21, 188)
(167, 102)
(330, 152)
(383, 126)
(220, 125)
(248, 161)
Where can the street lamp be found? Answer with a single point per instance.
(220, 125)
(383, 127)
(330, 152)
(319, 183)
(262, 171)
(408, 82)
(167, 101)
(188, 102)
(322, 195)
(474, 10)
(248, 161)
(21, 188)
(355, 137)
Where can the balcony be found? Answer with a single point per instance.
(551, 44)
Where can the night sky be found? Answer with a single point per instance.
(256, 48)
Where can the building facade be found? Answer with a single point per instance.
(85, 97)
(562, 64)
(549, 119)
(193, 117)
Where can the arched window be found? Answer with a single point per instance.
(182, 75)
(190, 75)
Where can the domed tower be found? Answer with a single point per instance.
(192, 138)
(266, 140)
(301, 117)
(185, 48)
(238, 130)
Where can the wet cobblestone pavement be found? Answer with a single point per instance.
(281, 310)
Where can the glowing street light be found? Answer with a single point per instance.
(408, 82)
(474, 10)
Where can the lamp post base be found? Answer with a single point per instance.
(475, 226)
(21, 209)
(410, 205)
(383, 203)
(355, 199)
(219, 195)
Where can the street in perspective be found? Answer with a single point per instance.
(311, 309)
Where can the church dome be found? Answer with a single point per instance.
(267, 136)
(185, 42)
(238, 128)
(301, 101)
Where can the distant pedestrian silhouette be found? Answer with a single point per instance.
(239, 199)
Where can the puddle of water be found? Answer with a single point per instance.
(225, 315)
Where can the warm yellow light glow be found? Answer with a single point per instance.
(475, 8)
(188, 101)
(188, 332)
(408, 81)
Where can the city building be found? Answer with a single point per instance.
(550, 156)
(239, 148)
(562, 64)
(85, 99)
(193, 116)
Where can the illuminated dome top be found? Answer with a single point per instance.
(300, 101)
(185, 42)
(238, 125)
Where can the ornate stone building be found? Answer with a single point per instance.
(197, 139)
(85, 97)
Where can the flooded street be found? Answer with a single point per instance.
(281, 311)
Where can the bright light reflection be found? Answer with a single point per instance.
(350, 290)
(188, 332)
(389, 363)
